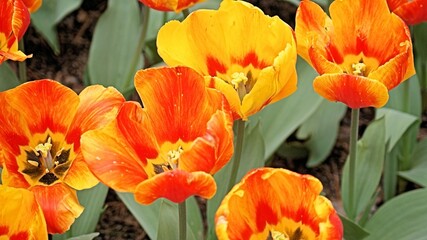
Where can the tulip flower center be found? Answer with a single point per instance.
(277, 235)
(239, 80)
(168, 158)
(45, 163)
(359, 68)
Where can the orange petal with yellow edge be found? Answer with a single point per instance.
(229, 92)
(278, 202)
(20, 215)
(117, 153)
(354, 91)
(177, 102)
(98, 106)
(176, 186)
(33, 5)
(53, 105)
(209, 153)
(79, 175)
(59, 204)
(170, 5)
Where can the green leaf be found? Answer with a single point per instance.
(403, 217)
(369, 165)
(114, 44)
(321, 130)
(252, 157)
(8, 78)
(352, 231)
(282, 118)
(89, 236)
(417, 173)
(148, 216)
(93, 201)
(396, 124)
(49, 15)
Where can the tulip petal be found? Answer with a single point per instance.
(60, 206)
(33, 5)
(354, 91)
(270, 201)
(53, 105)
(117, 153)
(412, 12)
(177, 102)
(98, 106)
(170, 5)
(176, 186)
(10, 174)
(212, 151)
(20, 216)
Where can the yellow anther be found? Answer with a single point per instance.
(358, 68)
(174, 155)
(238, 78)
(276, 235)
(44, 148)
(34, 163)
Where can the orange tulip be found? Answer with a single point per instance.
(170, 147)
(169, 5)
(412, 12)
(21, 217)
(358, 63)
(247, 55)
(41, 124)
(14, 21)
(280, 204)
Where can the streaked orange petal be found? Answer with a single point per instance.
(314, 28)
(59, 204)
(361, 31)
(412, 12)
(13, 131)
(98, 106)
(212, 151)
(277, 200)
(354, 91)
(44, 104)
(79, 175)
(33, 5)
(10, 174)
(20, 18)
(393, 72)
(176, 186)
(170, 5)
(177, 102)
(20, 215)
(117, 153)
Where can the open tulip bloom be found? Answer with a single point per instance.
(40, 128)
(14, 21)
(171, 147)
(358, 63)
(21, 217)
(273, 203)
(247, 55)
(411, 11)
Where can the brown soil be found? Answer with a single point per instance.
(75, 33)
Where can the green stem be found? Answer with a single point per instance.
(240, 125)
(186, 12)
(22, 66)
(141, 42)
(354, 132)
(182, 221)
